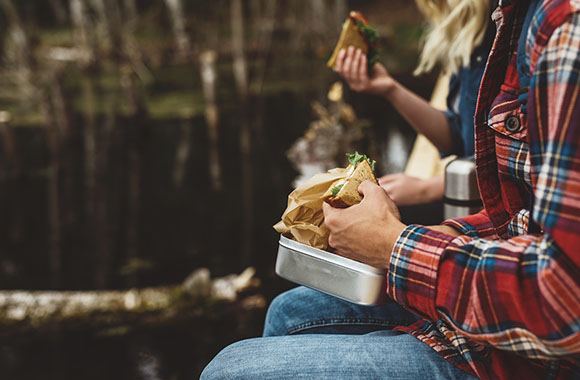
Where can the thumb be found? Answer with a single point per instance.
(366, 187)
(379, 69)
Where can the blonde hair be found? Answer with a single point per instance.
(456, 27)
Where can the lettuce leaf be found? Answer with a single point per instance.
(336, 189)
(356, 157)
(372, 37)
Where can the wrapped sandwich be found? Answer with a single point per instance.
(344, 192)
(357, 32)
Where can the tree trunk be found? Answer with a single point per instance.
(59, 11)
(114, 23)
(208, 79)
(103, 25)
(182, 152)
(134, 169)
(265, 24)
(102, 229)
(13, 168)
(297, 24)
(179, 29)
(318, 17)
(62, 109)
(90, 149)
(23, 53)
(340, 11)
(11, 152)
(92, 234)
(66, 155)
(240, 67)
(130, 46)
(53, 198)
(85, 41)
(241, 77)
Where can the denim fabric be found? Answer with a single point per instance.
(462, 98)
(290, 314)
(310, 335)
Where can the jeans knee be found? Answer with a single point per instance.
(233, 362)
(274, 324)
(282, 309)
(219, 367)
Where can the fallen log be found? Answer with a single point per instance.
(118, 312)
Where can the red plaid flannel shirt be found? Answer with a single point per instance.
(498, 301)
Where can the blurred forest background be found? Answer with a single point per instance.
(141, 140)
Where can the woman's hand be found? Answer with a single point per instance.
(405, 190)
(351, 64)
(367, 231)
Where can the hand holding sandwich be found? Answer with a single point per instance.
(352, 65)
(367, 231)
(355, 58)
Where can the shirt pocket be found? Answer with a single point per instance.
(505, 116)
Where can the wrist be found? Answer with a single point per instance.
(395, 229)
(445, 229)
(433, 189)
(390, 90)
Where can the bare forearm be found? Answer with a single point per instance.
(422, 116)
(433, 188)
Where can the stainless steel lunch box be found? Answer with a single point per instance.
(330, 273)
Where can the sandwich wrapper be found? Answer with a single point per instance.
(303, 219)
(304, 235)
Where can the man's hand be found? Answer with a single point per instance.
(367, 231)
(351, 64)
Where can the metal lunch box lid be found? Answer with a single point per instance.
(338, 276)
(461, 180)
(329, 257)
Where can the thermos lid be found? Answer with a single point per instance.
(461, 180)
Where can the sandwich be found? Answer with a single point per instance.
(344, 192)
(357, 32)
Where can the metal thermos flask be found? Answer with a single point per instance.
(461, 192)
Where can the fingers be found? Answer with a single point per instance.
(330, 215)
(340, 61)
(356, 61)
(388, 178)
(351, 64)
(327, 209)
(389, 184)
(372, 192)
(346, 69)
(389, 188)
(363, 67)
(368, 187)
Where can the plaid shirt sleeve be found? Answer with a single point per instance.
(520, 294)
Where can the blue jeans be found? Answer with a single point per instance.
(310, 335)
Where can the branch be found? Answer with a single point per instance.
(199, 295)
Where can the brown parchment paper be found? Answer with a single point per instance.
(303, 218)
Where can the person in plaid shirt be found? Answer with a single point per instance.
(494, 295)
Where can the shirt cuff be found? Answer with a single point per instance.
(413, 269)
(462, 226)
(475, 226)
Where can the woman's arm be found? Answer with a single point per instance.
(405, 190)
